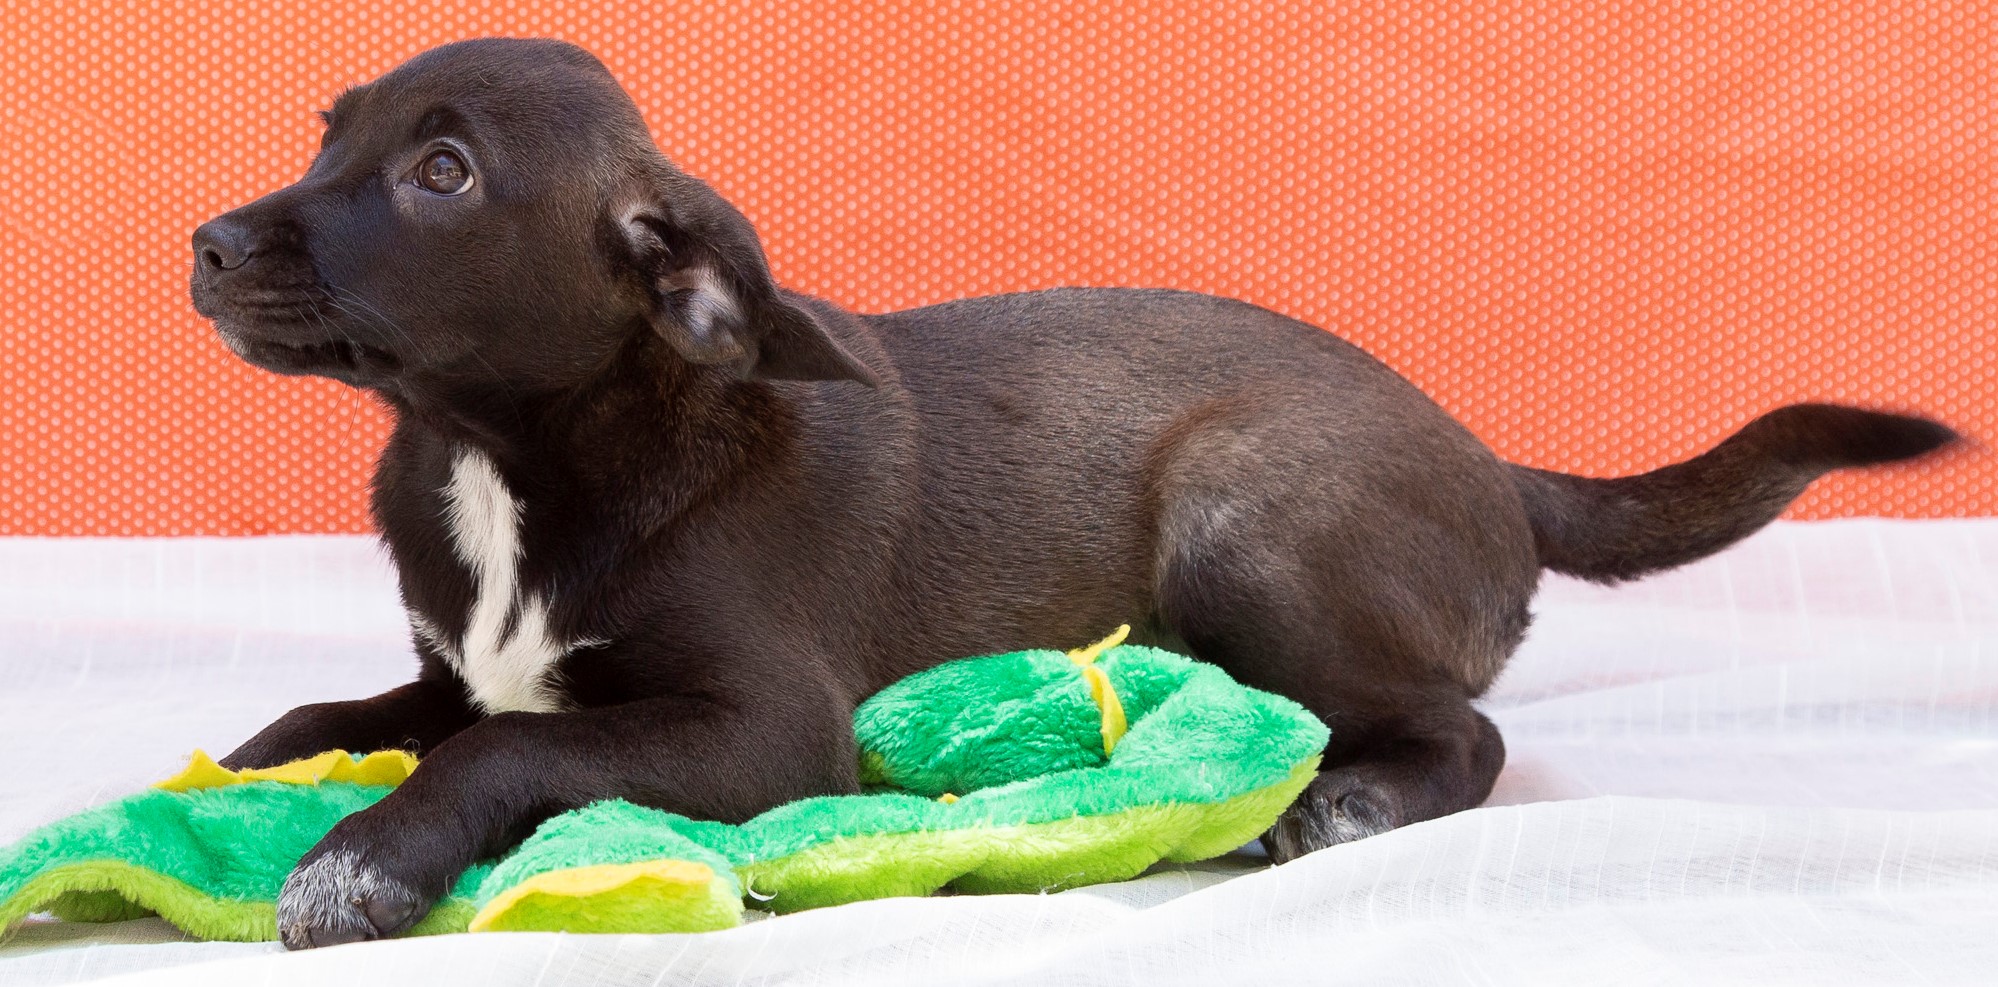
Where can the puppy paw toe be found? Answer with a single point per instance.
(1326, 815)
(339, 898)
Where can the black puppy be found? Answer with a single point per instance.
(661, 525)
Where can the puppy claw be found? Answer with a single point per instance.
(339, 898)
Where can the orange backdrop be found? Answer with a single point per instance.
(1602, 234)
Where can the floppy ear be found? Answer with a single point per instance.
(713, 299)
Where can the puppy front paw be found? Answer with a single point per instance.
(338, 897)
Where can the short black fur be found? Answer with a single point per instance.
(745, 509)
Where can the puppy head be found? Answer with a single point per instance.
(493, 215)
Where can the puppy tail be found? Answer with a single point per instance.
(1617, 529)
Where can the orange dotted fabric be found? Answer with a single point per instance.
(1604, 235)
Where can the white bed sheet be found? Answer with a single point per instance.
(1777, 766)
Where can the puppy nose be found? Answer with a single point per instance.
(221, 245)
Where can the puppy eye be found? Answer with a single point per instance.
(444, 173)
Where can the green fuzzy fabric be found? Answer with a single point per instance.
(614, 831)
(210, 861)
(1205, 766)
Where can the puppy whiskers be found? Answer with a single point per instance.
(375, 316)
(354, 305)
(354, 405)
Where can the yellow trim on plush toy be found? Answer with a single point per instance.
(378, 768)
(594, 879)
(1100, 689)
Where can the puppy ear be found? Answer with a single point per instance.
(713, 299)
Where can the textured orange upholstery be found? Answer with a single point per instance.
(1602, 234)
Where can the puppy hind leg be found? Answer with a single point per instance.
(1388, 655)
(1442, 762)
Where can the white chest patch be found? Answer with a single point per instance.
(506, 654)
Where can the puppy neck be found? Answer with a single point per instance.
(644, 415)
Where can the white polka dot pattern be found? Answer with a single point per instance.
(1603, 234)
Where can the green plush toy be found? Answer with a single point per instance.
(1029, 771)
